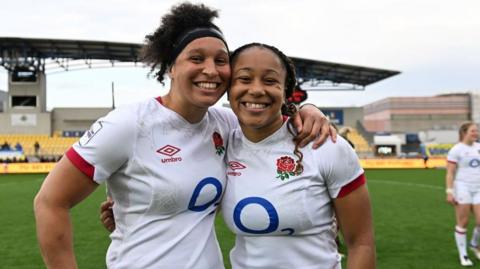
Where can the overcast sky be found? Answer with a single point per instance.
(434, 43)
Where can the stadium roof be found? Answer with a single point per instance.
(337, 73)
(35, 52)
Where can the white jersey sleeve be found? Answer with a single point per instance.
(340, 168)
(107, 145)
(454, 154)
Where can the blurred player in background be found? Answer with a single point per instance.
(463, 188)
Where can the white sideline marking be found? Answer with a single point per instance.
(406, 184)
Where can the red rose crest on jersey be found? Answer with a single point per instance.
(218, 143)
(234, 165)
(286, 167)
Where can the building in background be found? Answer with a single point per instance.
(3, 100)
(403, 126)
(344, 116)
(415, 114)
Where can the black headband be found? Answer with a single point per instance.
(191, 35)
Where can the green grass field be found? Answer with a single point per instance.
(413, 224)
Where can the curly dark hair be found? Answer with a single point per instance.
(288, 109)
(160, 45)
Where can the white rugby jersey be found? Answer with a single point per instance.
(467, 159)
(166, 177)
(282, 220)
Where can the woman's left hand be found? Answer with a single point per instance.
(106, 214)
(313, 125)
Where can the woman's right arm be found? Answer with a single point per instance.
(345, 181)
(354, 215)
(64, 187)
(451, 170)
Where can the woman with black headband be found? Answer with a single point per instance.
(163, 158)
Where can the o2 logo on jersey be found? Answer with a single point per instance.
(271, 212)
(474, 163)
(206, 182)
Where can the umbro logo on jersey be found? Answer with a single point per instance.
(169, 150)
(235, 166)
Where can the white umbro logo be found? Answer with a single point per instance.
(168, 150)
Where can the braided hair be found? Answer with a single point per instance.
(159, 48)
(288, 109)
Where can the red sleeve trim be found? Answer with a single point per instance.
(159, 99)
(448, 161)
(355, 184)
(79, 162)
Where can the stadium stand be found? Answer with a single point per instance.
(361, 145)
(49, 146)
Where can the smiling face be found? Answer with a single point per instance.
(200, 74)
(471, 134)
(257, 91)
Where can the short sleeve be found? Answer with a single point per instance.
(339, 165)
(106, 146)
(453, 155)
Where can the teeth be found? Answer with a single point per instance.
(207, 85)
(255, 106)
